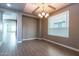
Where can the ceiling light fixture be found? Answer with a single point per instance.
(8, 4)
(43, 13)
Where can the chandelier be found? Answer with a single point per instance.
(44, 13)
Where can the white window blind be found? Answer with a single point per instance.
(58, 25)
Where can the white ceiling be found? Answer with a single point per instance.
(34, 8)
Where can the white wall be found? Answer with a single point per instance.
(19, 27)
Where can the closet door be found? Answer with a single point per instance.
(29, 28)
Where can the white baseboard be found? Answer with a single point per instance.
(19, 41)
(30, 39)
(75, 49)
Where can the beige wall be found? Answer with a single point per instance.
(73, 39)
(29, 26)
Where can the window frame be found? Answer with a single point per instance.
(67, 24)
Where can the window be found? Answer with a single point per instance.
(58, 25)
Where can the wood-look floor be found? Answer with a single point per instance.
(35, 48)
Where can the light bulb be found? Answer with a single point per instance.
(43, 13)
(40, 15)
(46, 15)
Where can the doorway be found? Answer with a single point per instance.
(11, 32)
(9, 28)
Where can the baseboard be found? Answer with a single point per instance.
(19, 41)
(75, 49)
(31, 39)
